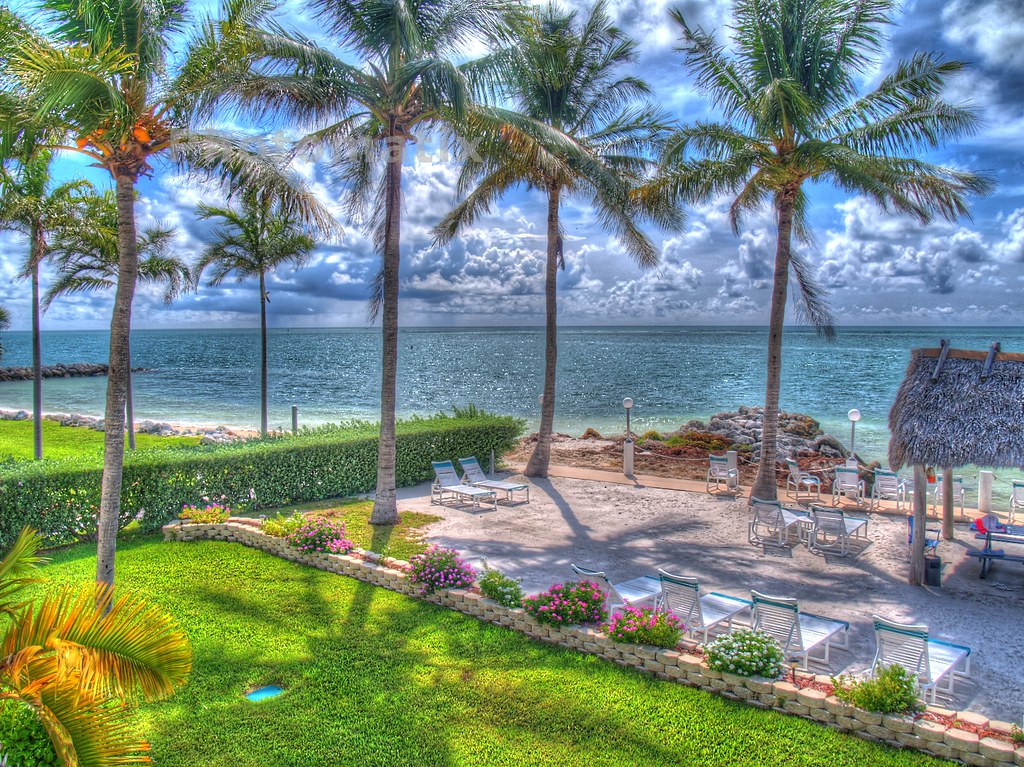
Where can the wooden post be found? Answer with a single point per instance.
(295, 420)
(947, 504)
(920, 521)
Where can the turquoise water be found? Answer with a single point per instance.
(673, 374)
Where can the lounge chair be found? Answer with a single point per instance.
(958, 494)
(628, 592)
(473, 475)
(447, 484)
(797, 633)
(771, 523)
(699, 614)
(801, 480)
(889, 486)
(833, 531)
(847, 484)
(721, 472)
(930, 660)
(1016, 499)
(930, 544)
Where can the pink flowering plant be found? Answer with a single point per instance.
(317, 535)
(646, 625)
(564, 604)
(211, 513)
(441, 568)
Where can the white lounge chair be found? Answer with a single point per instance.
(473, 475)
(931, 660)
(447, 484)
(629, 592)
(889, 486)
(797, 633)
(958, 494)
(832, 531)
(721, 472)
(798, 481)
(699, 614)
(847, 484)
(1016, 499)
(771, 524)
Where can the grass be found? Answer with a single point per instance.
(401, 541)
(67, 441)
(377, 678)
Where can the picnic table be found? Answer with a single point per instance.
(992, 531)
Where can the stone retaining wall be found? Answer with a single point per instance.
(679, 666)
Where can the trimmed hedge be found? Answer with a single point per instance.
(61, 498)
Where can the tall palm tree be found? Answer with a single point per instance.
(87, 260)
(792, 114)
(404, 84)
(575, 129)
(102, 78)
(74, 655)
(5, 323)
(252, 242)
(31, 205)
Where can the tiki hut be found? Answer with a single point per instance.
(955, 408)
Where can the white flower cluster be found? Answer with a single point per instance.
(746, 653)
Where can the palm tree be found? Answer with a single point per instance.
(793, 115)
(87, 260)
(406, 85)
(74, 655)
(101, 78)
(32, 206)
(575, 130)
(252, 242)
(5, 323)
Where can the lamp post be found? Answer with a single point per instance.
(854, 416)
(627, 446)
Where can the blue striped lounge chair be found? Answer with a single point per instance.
(936, 664)
(797, 633)
(473, 474)
(448, 486)
(628, 592)
(699, 613)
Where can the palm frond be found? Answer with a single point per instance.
(19, 568)
(811, 299)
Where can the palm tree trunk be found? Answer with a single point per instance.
(117, 380)
(541, 458)
(37, 348)
(130, 404)
(385, 510)
(916, 575)
(766, 484)
(263, 355)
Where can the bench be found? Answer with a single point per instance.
(986, 556)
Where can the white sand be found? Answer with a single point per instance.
(630, 531)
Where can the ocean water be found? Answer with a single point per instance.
(672, 373)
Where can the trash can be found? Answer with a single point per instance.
(933, 571)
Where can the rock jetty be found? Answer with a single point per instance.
(211, 435)
(799, 434)
(61, 370)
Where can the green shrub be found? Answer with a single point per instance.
(282, 525)
(501, 588)
(210, 514)
(746, 653)
(24, 741)
(892, 691)
(61, 498)
(656, 436)
(702, 440)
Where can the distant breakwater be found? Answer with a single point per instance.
(61, 370)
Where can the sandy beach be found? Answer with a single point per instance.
(632, 530)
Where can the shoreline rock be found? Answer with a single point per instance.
(62, 370)
(210, 435)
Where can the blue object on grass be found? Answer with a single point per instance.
(262, 693)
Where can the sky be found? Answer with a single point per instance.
(881, 269)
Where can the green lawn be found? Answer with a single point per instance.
(376, 678)
(66, 441)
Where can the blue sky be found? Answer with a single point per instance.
(881, 269)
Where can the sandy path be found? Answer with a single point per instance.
(631, 531)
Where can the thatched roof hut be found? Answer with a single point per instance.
(958, 407)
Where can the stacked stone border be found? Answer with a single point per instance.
(921, 734)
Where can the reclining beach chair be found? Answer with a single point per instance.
(699, 614)
(771, 524)
(797, 633)
(721, 472)
(798, 481)
(447, 484)
(1016, 499)
(847, 484)
(473, 475)
(930, 660)
(629, 592)
(958, 494)
(833, 530)
(889, 486)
